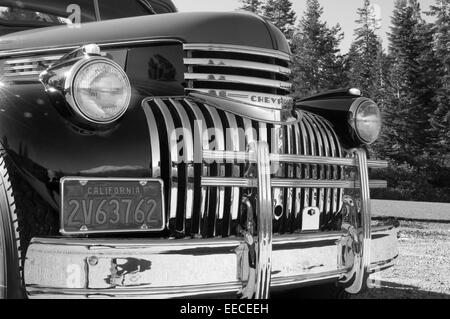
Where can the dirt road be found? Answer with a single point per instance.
(423, 267)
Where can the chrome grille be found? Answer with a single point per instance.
(204, 197)
(259, 76)
(28, 66)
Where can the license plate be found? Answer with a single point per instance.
(99, 205)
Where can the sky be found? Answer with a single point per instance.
(335, 11)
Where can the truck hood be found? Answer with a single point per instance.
(235, 28)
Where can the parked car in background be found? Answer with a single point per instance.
(151, 153)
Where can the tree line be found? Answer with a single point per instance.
(409, 81)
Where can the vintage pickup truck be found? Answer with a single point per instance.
(147, 153)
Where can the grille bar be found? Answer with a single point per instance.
(208, 171)
(200, 219)
(299, 159)
(237, 64)
(187, 144)
(288, 183)
(290, 200)
(28, 66)
(235, 170)
(172, 173)
(237, 49)
(220, 145)
(278, 194)
(239, 79)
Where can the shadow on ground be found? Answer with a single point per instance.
(391, 290)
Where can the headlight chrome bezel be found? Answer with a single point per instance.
(354, 111)
(69, 87)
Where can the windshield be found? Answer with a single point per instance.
(19, 16)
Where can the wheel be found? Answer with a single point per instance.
(23, 215)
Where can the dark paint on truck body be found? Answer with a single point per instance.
(190, 27)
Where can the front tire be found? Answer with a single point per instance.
(11, 253)
(23, 215)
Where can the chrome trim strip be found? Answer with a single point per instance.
(263, 133)
(97, 10)
(201, 128)
(160, 293)
(263, 114)
(290, 193)
(73, 47)
(304, 279)
(188, 160)
(366, 214)
(220, 145)
(288, 183)
(306, 169)
(228, 78)
(33, 60)
(294, 183)
(250, 135)
(236, 49)
(229, 182)
(327, 173)
(300, 149)
(358, 275)
(155, 151)
(286, 158)
(330, 150)
(320, 168)
(264, 256)
(279, 241)
(340, 170)
(173, 170)
(263, 100)
(236, 171)
(24, 73)
(170, 245)
(228, 63)
(334, 153)
(21, 67)
(314, 199)
(278, 194)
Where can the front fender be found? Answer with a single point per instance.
(45, 146)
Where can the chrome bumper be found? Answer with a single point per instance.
(88, 268)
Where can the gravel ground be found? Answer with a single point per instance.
(423, 267)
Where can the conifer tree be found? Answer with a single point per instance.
(318, 64)
(440, 120)
(411, 86)
(281, 14)
(254, 6)
(365, 55)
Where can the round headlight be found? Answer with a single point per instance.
(101, 91)
(367, 122)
